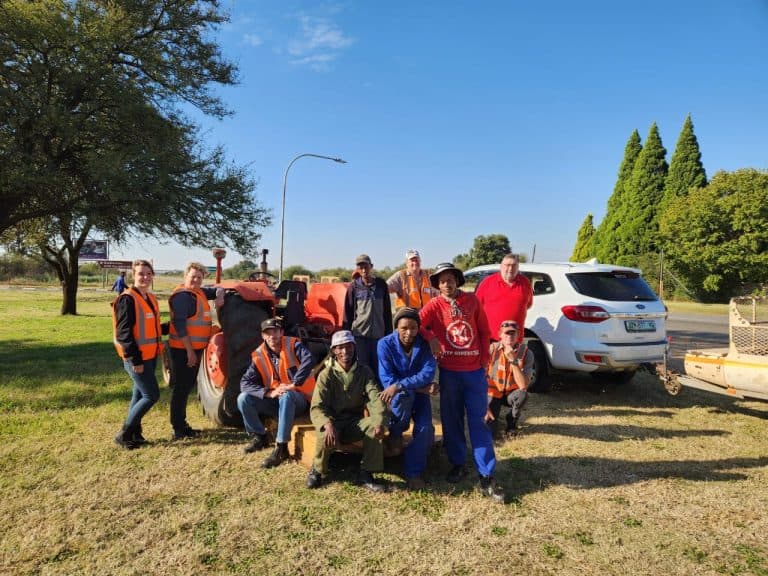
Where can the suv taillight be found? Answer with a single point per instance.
(591, 314)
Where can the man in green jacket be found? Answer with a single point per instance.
(343, 390)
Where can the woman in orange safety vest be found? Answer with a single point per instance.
(137, 336)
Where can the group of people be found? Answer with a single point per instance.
(378, 378)
(383, 368)
(137, 335)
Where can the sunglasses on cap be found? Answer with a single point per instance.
(509, 324)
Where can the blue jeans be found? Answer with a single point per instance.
(145, 391)
(407, 405)
(462, 392)
(284, 408)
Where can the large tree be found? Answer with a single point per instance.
(685, 169)
(720, 234)
(485, 250)
(606, 240)
(92, 136)
(638, 234)
(585, 241)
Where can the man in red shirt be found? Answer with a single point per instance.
(506, 295)
(456, 328)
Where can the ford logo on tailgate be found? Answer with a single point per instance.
(640, 306)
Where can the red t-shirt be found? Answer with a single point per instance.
(502, 301)
(462, 331)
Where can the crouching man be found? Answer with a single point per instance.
(345, 388)
(406, 370)
(277, 384)
(509, 373)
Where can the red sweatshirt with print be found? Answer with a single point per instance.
(462, 329)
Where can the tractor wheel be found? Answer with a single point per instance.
(212, 399)
(540, 381)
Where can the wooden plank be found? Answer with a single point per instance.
(304, 440)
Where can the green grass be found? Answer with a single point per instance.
(624, 481)
(698, 308)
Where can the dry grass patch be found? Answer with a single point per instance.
(624, 481)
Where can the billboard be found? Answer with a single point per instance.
(121, 264)
(94, 250)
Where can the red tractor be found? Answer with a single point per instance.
(312, 314)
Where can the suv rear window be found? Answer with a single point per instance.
(617, 285)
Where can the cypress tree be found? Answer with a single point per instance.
(639, 230)
(685, 169)
(605, 239)
(584, 248)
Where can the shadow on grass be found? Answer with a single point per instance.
(574, 393)
(621, 432)
(584, 473)
(46, 362)
(39, 376)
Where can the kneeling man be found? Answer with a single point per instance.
(509, 373)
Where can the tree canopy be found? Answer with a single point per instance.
(606, 236)
(720, 234)
(485, 250)
(685, 169)
(585, 240)
(638, 233)
(92, 133)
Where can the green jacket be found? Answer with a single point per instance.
(341, 396)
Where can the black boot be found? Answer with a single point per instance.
(125, 439)
(511, 424)
(279, 455)
(138, 437)
(490, 489)
(314, 479)
(258, 442)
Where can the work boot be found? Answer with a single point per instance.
(125, 439)
(367, 481)
(456, 474)
(186, 432)
(138, 437)
(511, 425)
(279, 455)
(314, 479)
(489, 488)
(258, 442)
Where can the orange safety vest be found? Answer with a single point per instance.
(288, 360)
(499, 372)
(199, 326)
(416, 295)
(146, 329)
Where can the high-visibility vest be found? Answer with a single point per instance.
(416, 293)
(199, 326)
(499, 370)
(146, 329)
(288, 360)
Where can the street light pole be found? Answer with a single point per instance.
(282, 217)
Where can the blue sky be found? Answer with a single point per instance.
(467, 118)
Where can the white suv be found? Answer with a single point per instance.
(589, 317)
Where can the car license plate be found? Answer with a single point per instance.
(640, 325)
